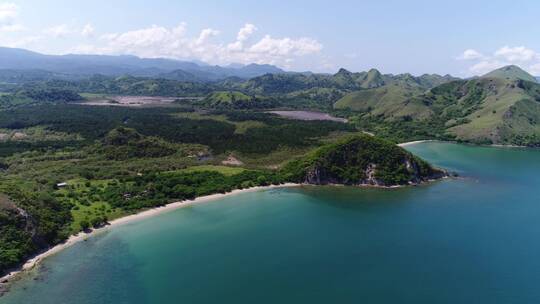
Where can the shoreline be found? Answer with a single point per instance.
(409, 143)
(82, 236)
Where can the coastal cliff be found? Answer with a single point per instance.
(362, 160)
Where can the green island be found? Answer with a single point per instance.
(73, 155)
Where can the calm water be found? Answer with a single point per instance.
(471, 240)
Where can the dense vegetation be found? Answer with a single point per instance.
(361, 160)
(93, 123)
(23, 97)
(125, 143)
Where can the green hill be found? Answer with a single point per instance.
(390, 95)
(499, 110)
(361, 160)
(236, 100)
(388, 100)
(510, 72)
(229, 97)
(125, 143)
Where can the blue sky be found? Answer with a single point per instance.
(462, 38)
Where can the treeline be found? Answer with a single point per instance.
(93, 123)
(403, 129)
(128, 85)
(158, 189)
(33, 96)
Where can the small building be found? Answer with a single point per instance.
(61, 185)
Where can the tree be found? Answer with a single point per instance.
(97, 221)
(84, 225)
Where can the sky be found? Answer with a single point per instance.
(458, 37)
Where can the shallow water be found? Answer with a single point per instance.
(467, 240)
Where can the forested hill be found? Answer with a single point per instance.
(361, 160)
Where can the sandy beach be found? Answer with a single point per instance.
(414, 142)
(31, 263)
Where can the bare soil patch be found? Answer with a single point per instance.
(136, 101)
(231, 160)
(308, 115)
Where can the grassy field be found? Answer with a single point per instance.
(380, 100)
(87, 202)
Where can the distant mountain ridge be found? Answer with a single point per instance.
(342, 80)
(24, 60)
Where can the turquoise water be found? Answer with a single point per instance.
(469, 240)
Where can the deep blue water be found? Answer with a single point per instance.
(474, 239)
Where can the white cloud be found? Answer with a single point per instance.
(535, 69)
(88, 30)
(206, 34)
(247, 30)
(243, 34)
(528, 59)
(8, 11)
(59, 31)
(11, 28)
(286, 46)
(471, 54)
(155, 41)
(108, 36)
(513, 54)
(158, 41)
(8, 18)
(486, 66)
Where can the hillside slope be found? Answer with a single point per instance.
(389, 100)
(502, 109)
(236, 100)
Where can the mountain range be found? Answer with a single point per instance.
(27, 64)
(500, 107)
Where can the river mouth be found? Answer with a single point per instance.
(467, 240)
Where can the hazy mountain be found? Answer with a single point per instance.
(24, 60)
